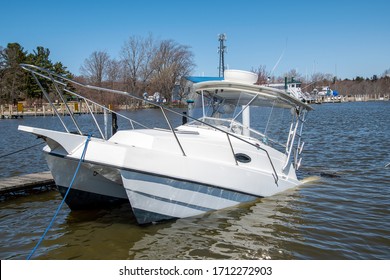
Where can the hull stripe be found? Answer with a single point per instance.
(193, 206)
(163, 187)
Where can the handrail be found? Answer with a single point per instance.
(35, 71)
(296, 125)
(50, 102)
(66, 104)
(105, 108)
(94, 119)
(173, 131)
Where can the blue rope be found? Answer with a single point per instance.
(63, 200)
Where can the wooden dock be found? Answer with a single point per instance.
(24, 183)
(19, 111)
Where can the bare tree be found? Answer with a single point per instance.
(293, 73)
(262, 75)
(136, 56)
(114, 70)
(171, 63)
(385, 85)
(321, 77)
(95, 67)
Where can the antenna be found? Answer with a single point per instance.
(221, 50)
(280, 58)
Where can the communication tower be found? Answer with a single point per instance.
(221, 50)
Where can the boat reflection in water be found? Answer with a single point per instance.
(228, 153)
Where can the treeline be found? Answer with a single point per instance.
(144, 65)
(148, 65)
(375, 85)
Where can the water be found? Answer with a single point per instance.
(343, 212)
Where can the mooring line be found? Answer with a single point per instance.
(21, 150)
(63, 200)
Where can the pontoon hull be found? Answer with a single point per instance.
(91, 187)
(154, 198)
(183, 186)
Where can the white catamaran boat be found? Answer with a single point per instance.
(230, 151)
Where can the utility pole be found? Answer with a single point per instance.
(221, 50)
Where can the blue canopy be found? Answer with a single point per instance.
(198, 79)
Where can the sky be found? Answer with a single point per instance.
(342, 38)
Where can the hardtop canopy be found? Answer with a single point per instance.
(242, 94)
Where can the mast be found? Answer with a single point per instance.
(221, 50)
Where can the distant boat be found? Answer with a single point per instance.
(294, 88)
(325, 91)
(326, 94)
(221, 157)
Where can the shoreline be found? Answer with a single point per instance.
(19, 111)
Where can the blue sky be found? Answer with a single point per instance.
(346, 38)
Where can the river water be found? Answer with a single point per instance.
(343, 212)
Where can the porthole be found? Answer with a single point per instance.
(242, 158)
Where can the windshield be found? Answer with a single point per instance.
(268, 124)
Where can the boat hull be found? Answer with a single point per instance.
(146, 168)
(156, 198)
(95, 186)
(184, 186)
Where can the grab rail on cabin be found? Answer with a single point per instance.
(62, 81)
